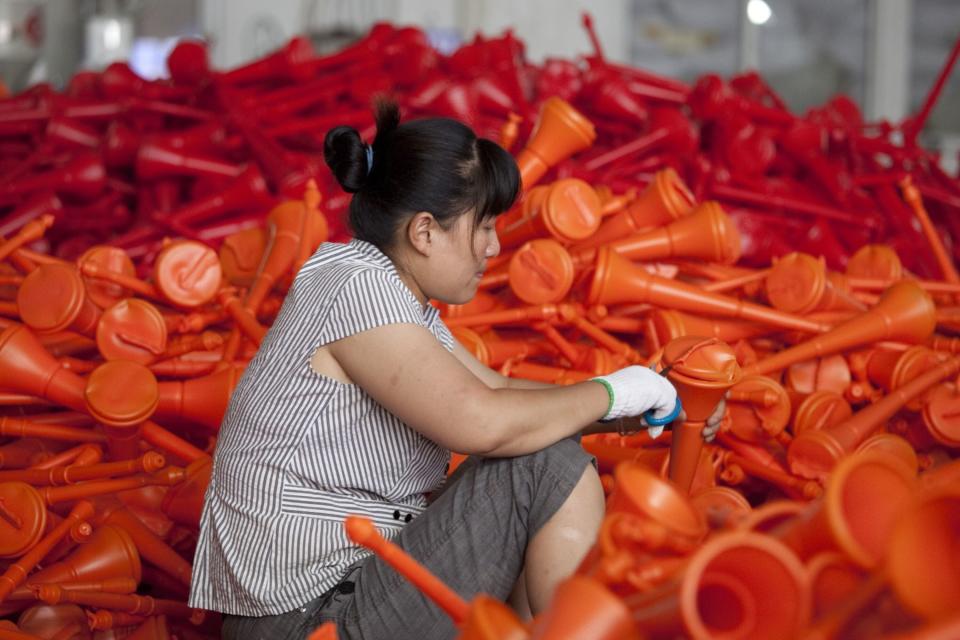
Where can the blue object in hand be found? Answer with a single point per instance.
(659, 422)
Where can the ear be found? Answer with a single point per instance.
(421, 232)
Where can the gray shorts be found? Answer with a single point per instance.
(473, 537)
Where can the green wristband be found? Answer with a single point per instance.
(606, 385)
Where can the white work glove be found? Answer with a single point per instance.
(635, 390)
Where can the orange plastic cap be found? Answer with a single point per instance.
(23, 505)
(721, 506)
(121, 393)
(571, 211)
(132, 329)
(110, 260)
(910, 364)
(541, 271)
(796, 283)
(707, 362)
(941, 415)
(831, 373)
(51, 297)
(875, 261)
(188, 273)
(819, 410)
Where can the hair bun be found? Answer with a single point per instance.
(386, 113)
(344, 153)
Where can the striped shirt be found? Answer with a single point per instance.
(299, 451)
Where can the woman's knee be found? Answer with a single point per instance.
(565, 459)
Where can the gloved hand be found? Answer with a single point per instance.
(635, 390)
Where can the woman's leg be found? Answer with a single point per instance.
(556, 550)
(475, 537)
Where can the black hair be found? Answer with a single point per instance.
(437, 165)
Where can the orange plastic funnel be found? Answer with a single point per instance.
(560, 132)
(618, 280)
(905, 313)
(866, 495)
(125, 602)
(702, 369)
(202, 400)
(773, 514)
(833, 578)
(609, 456)
(670, 325)
(286, 224)
(17, 572)
(361, 531)
(505, 316)
(923, 555)
(57, 622)
(110, 553)
(183, 502)
(813, 454)
(739, 585)
(640, 492)
(706, 234)
(26, 367)
(111, 511)
(583, 609)
(664, 200)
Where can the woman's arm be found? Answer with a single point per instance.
(496, 380)
(405, 369)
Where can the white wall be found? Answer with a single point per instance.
(243, 29)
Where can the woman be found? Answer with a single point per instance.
(359, 392)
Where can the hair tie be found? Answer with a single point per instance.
(369, 151)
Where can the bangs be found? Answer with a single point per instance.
(497, 182)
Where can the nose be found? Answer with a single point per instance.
(493, 246)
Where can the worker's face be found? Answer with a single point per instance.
(461, 259)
